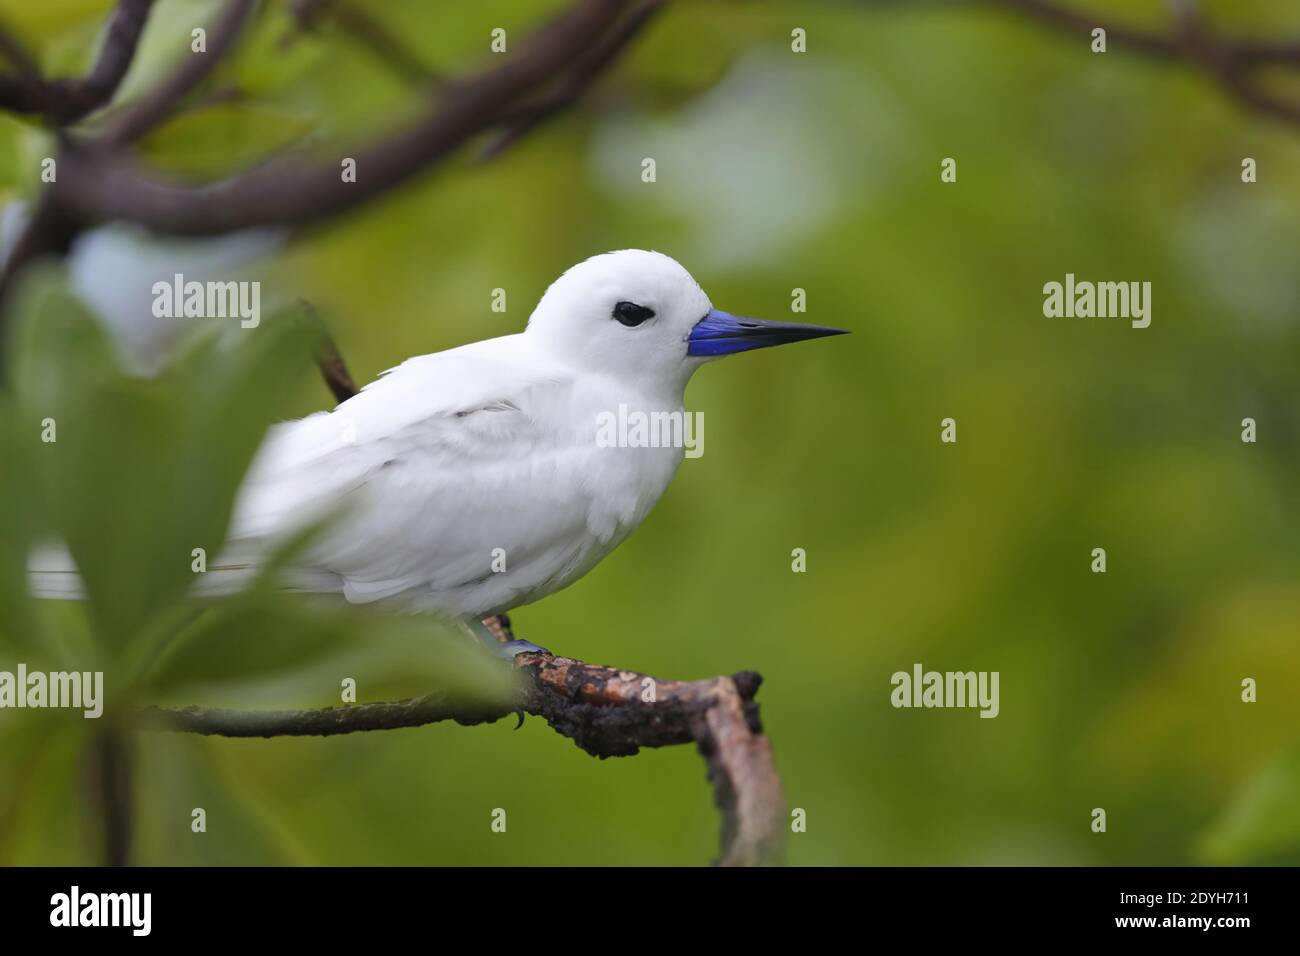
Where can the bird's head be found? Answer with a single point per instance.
(639, 315)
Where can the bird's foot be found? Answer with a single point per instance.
(496, 637)
(511, 649)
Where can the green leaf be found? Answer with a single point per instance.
(283, 650)
(54, 337)
(143, 472)
(245, 638)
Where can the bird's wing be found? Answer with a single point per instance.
(440, 455)
(318, 460)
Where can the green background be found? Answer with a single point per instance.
(778, 170)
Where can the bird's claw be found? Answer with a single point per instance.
(494, 634)
(512, 649)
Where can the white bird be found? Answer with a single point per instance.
(472, 481)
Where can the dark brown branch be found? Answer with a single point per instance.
(18, 56)
(67, 99)
(335, 371)
(52, 228)
(327, 722)
(97, 182)
(46, 233)
(1230, 62)
(1264, 52)
(110, 786)
(1229, 69)
(95, 186)
(607, 712)
(366, 30)
(192, 69)
(594, 62)
(1081, 22)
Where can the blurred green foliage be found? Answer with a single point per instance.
(775, 171)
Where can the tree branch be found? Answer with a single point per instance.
(335, 371)
(605, 711)
(68, 99)
(46, 232)
(366, 30)
(1230, 62)
(594, 62)
(98, 181)
(18, 55)
(1226, 64)
(97, 185)
(111, 776)
(192, 69)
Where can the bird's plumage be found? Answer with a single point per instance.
(437, 465)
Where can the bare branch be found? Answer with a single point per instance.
(98, 182)
(46, 233)
(19, 56)
(1082, 23)
(327, 722)
(366, 30)
(1229, 61)
(1264, 52)
(110, 779)
(594, 62)
(160, 102)
(335, 371)
(1227, 66)
(606, 711)
(101, 186)
(67, 99)
(746, 787)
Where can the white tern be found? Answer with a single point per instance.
(473, 481)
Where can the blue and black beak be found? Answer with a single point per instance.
(721, 333)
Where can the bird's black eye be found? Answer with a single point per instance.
(630, 314)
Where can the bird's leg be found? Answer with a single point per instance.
(499, 627)
(495, 634)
